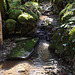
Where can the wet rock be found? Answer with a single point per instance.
(48, 67)
(41, 36)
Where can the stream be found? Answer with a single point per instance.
(44, 63)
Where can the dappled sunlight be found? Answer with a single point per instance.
(46, 45)
(15, 67)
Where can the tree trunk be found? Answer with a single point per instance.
(1, 40)
(7, 4)
(22, 1)
(2, 8)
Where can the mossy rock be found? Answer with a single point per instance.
(26, 18)
(35, 16)
(10, 24)
(14, 13)
(22, 47)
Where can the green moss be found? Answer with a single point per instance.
(33, 6)
(10, 24)
(25, 18)
(72, 33)
(14, 13)
(34, 15)
(22, 47)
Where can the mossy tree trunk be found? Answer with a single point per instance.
(2, 8)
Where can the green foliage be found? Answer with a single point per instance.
(67, 15)
(33, 6)
(10, 24)
(71, 1)
(15, 3)
(61, 4)
(32, 3)
(72, 33)
(67, 7)
(14, 13)
(22, 47)
(63, 39)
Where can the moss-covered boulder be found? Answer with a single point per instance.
(23, 48)
(14, 13)
(10, 24)
(26, 18)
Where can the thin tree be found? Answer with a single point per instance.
(2, 8)
(7, 4)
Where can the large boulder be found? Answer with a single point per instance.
(26, 18)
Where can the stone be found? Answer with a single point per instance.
(48, 67)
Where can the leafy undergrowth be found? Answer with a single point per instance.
(22, 47)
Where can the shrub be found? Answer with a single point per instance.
(13, 13)
(67, 15)
(10, 24)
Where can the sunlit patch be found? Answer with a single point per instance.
(46, 44)
(49, 19)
